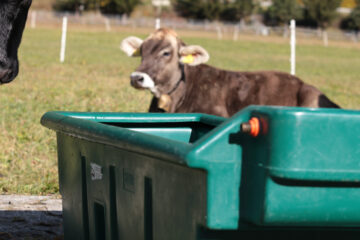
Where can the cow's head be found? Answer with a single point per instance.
(13, 14)
(163, 56)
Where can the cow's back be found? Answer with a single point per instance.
(223, 93)
(263, 88)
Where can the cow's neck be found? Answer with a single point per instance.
(179, 95)
(204, 84)
(168, 100)
(179, 81)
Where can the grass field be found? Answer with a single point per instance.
(95, 78)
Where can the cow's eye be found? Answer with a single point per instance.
(166, 54)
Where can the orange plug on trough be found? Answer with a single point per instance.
(252, 127)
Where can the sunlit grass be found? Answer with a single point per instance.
(95, 78)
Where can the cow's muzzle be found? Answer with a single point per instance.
(142, 80)
(8, 73)
(137, 80)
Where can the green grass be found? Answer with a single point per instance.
(95, 78)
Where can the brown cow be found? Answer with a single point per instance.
(180, 81)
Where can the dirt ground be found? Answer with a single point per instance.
(30, 217)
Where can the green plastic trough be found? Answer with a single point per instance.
(151, 176)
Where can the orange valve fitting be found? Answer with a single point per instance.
(252, 127)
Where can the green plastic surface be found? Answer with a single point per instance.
(303, 169)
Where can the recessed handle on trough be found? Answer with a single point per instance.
(252, 127)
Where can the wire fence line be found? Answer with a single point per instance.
(233, 29)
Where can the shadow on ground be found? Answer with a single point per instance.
(30, 217)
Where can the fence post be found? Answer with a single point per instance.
(236, 32)
(157, 23)
(107, 24)
(33, 19)
(63, 39)
(325, 38)
(293, 46)
(219, 32)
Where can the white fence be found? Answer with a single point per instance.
(221, 29)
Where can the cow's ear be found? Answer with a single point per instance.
(193, 55)
(131, 46)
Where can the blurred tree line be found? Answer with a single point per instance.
(223, 10)
(315, 13)
(104, 6)
(352, 22)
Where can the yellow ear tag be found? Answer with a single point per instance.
(136, 53)
(187, 59)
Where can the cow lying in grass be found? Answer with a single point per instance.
(180, 81)
(13, 14)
